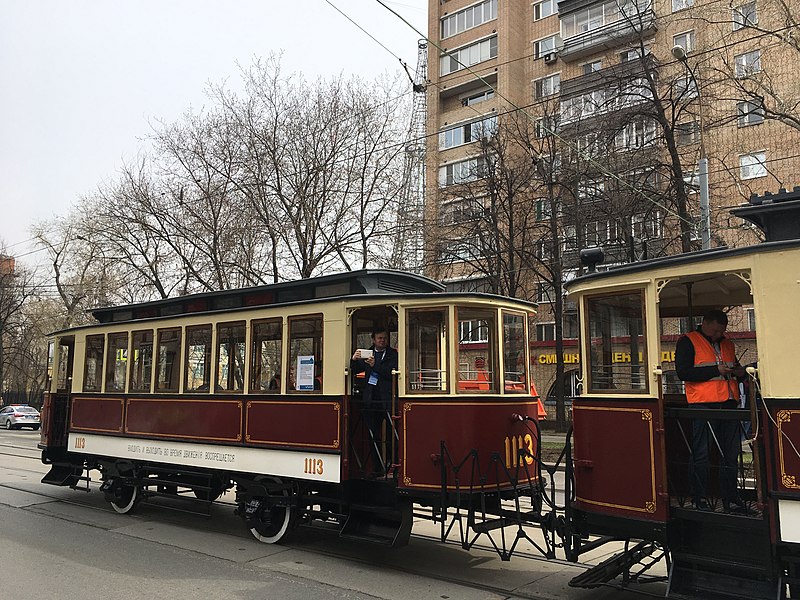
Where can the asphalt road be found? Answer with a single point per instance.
(61, 543)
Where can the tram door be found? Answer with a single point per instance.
(55, 411)
(373, 437)
(618, 421)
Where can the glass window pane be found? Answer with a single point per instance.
(169, 360)
(266, 366)
(515, 375)
(198, 359)
(93, 365)
(117, 362)
(230, 357)
(142, 363)
(426, 350)
(477, 350)
(617, 353)
(305, 354)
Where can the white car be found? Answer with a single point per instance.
(17, 416)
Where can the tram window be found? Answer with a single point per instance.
(93, 363)
(266, 376)
(64, 379)
(117, 362)
(305, 354)
(198, 359)
(142, 361)
(230, 357)
(477, 350)
(426, 350)
(168, 370)
(617, 352)
(515, 373)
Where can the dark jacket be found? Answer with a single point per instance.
(382, 391)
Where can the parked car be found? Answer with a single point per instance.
(17, 416)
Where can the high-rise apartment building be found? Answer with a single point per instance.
(586, 122)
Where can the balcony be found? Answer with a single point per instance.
(612, 35)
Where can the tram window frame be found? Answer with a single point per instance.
(93, 361)
(487, 363)
(512, 386)
(229, 381)
(257, 380)
(116, 365)
(165, 366)
(138, 379)
(205, 385)
(442, 352)
(591, 366)
(317, 340)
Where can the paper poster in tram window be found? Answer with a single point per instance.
(305, 373)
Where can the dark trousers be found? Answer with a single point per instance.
(727, 439)
(375, 416)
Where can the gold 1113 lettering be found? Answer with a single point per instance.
(313, 466)
(513, 446)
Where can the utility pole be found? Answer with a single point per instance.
(408, 252)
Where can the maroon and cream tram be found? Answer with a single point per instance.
(633, 428)
(252, 389)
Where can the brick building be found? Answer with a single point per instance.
(625, 97)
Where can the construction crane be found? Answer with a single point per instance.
(409, 252)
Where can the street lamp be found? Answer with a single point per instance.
(679, 53)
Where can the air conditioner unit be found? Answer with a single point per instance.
(550, 58)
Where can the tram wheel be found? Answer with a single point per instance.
(269, 523)
(125, 498)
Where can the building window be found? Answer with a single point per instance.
(685, 40)
(748, 63)
(468, 56)
(753, 165)
(544, 46)
(544, 126)
(599, 15)
(592, 67)
(745, 15)
(544, 9)
(590, 191)
(750, 315)
(543, 209)
(545, 332)
(467, 132)
(474, 331)
(686, 88)
(749, 113)
(470, 17)
(636, 134)
(687, 133)
(647, 227)
(633, 54)
(547, 86)
(462, 210)
(462, 171)
(478, 98)
(681, 4)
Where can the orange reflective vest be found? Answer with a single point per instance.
(717, 389)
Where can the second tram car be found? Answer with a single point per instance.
(254, 389)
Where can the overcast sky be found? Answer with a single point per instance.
(82, 80)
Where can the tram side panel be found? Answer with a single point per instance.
(478, 445)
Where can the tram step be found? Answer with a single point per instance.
(693, 578)
(65, 475)
(613, 567)
(386, 525)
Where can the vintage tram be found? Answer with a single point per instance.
(633, 428)
(253, 389)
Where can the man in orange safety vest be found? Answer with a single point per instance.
(706, 361)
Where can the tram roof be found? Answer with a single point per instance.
(350, 283)
(689, 258)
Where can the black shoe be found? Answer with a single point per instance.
(702, 505)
